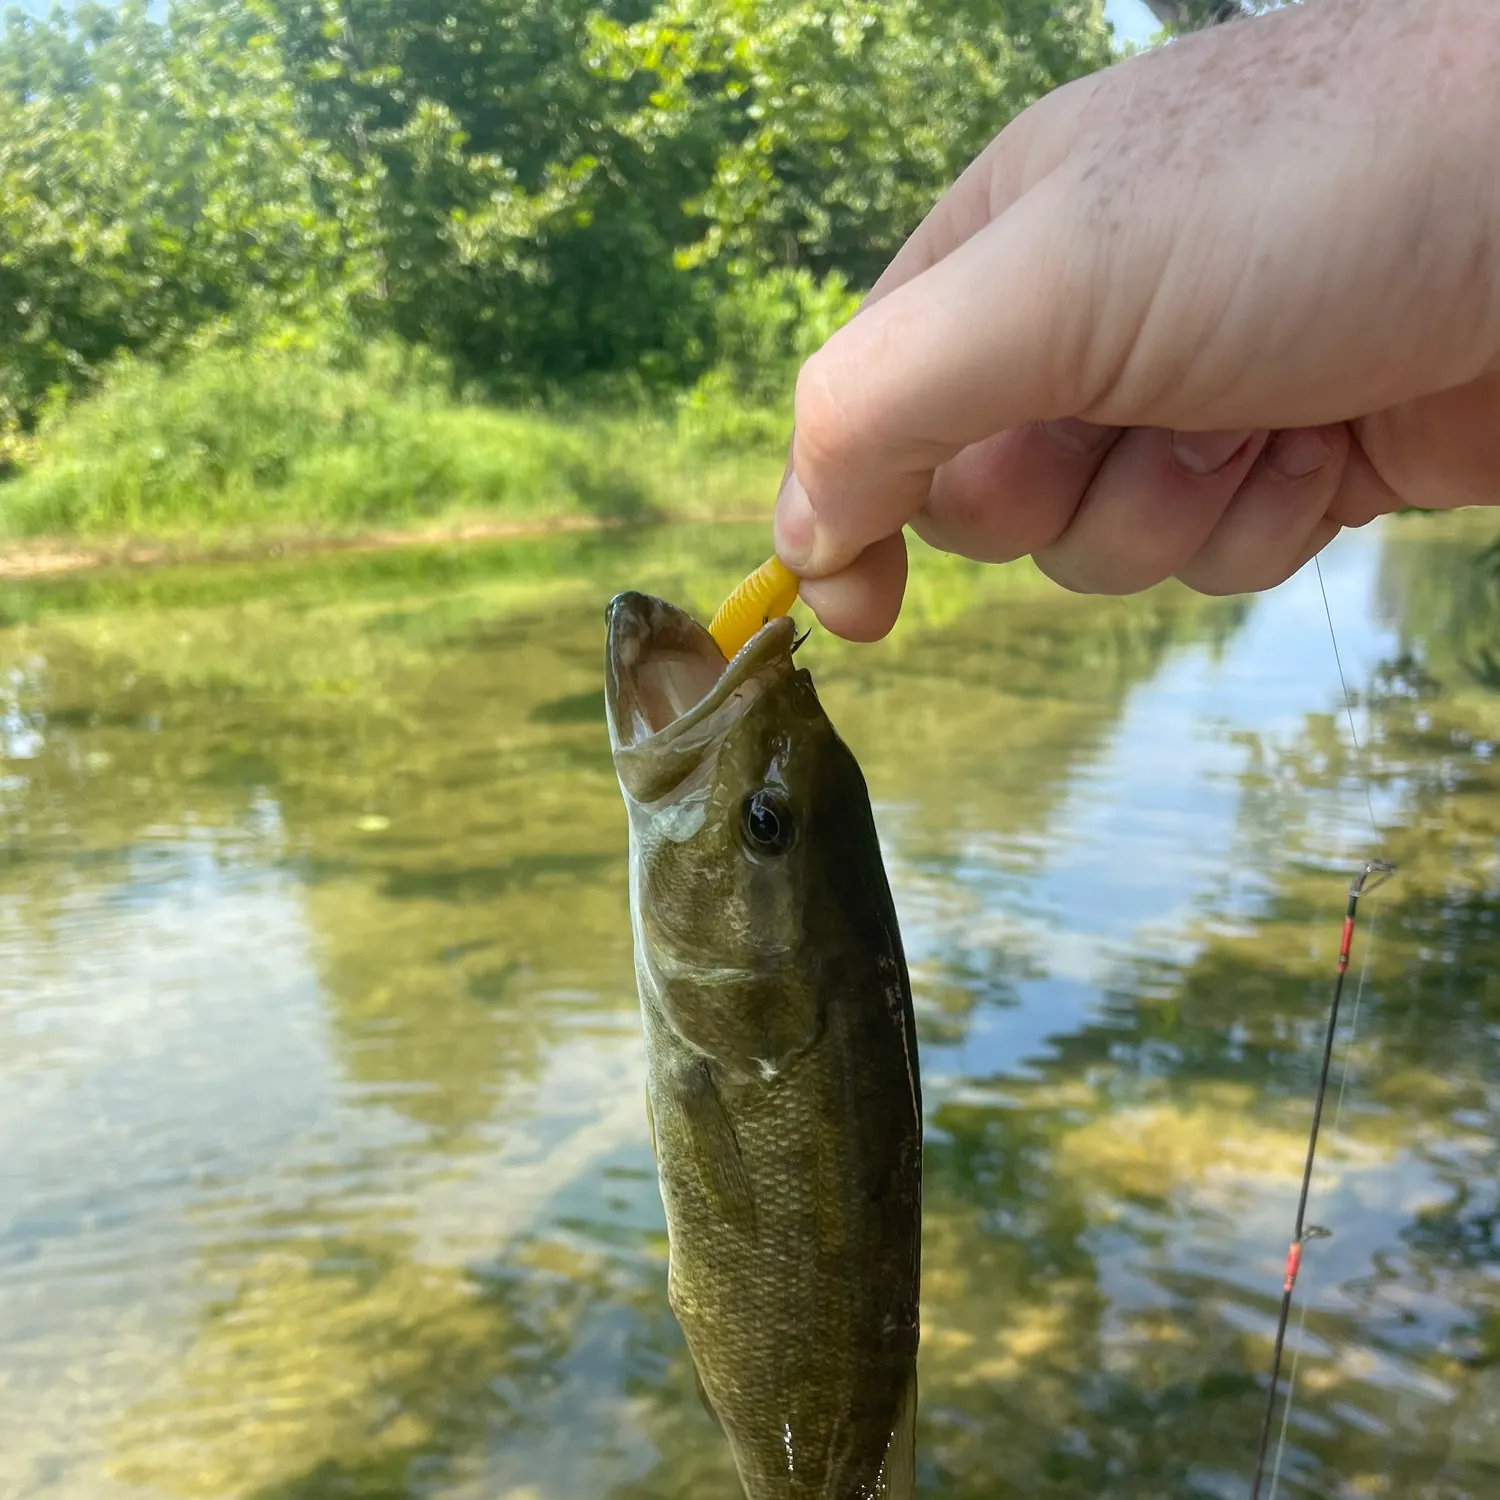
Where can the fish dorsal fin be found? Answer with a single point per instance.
(898, 1474)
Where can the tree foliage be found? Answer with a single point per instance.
(154, 182)
(537, 190)
(833, 124)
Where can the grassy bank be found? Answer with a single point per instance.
(238, 445)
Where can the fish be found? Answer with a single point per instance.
(783, 1084)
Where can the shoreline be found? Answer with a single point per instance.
(27, 561)
(40, 559)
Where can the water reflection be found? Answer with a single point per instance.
(326, 1167)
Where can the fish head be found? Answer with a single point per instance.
(734, 781)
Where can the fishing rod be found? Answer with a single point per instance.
(1375, 873)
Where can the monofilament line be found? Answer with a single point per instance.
(1338, 661)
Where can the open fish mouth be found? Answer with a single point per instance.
(665, 675)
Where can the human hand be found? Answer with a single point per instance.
(1185, 318)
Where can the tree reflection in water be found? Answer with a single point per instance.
(430, 1261)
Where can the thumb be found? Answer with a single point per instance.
(993, 335)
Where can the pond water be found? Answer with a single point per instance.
(324, 1167)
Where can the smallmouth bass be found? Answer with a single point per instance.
(781, 1050)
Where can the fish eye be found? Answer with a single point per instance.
(766, 823)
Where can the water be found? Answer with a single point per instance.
(324, 1166)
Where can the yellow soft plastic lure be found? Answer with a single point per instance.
(771, 590)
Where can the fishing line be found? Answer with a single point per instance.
(1375, 873)
(1338, 661)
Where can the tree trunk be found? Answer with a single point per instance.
(1193, 15)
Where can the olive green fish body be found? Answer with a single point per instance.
(782, 1058)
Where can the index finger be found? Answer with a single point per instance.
(992, 336)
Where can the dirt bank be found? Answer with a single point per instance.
(41, 558)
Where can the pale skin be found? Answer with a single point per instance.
(1187, 317)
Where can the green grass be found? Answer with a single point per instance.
(278, 441)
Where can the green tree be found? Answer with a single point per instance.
(540, 190)
(154, 180)
(522, 231)
(836, 127)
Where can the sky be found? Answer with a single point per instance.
(1132, 21)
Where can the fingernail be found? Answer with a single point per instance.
(1298, 453)
(1205, 453)
(1083, 438)
(794, 524)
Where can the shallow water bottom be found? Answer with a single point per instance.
(326, 1168)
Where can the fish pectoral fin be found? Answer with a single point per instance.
(703, 1400)
(898, 1474)
(716, 1151)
